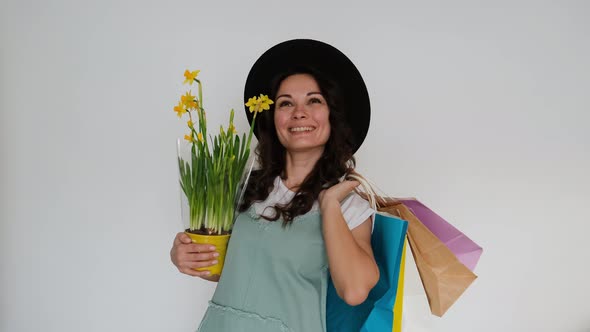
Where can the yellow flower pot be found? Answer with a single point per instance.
(220, 243)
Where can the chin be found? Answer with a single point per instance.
(304, 148)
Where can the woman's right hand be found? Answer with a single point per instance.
(188, 256)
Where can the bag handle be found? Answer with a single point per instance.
(369, 192)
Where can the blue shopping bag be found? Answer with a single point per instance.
(376, 314)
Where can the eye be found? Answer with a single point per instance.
(315, 100)
(285, 103)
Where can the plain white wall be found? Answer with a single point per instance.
(480, 110)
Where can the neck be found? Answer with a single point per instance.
(299, 165)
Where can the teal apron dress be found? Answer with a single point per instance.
(274, 278)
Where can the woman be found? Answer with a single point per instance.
(298, 219)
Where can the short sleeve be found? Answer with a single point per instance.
(355, 210)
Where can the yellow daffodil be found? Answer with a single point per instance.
(190, 124)
(189, 76)
(189, 100)
(265, 102)
(232, 129)
(189, 138)
(252, 103)
(180, 109)
(200, 137)
(259, 104)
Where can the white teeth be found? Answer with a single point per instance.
(301, 129)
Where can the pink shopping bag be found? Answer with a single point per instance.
(466, 251)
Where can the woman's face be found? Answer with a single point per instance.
(301, 114)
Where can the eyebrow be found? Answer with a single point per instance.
(308, 94)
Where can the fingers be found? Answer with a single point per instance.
(339, 191)
(189, 268)
(198, 248)
(195, 273)
(182, 238)
(190, 257)
(345, 186)
(199, 264)
(351, 184)
(193, 252)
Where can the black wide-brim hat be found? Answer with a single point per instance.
(330, 62)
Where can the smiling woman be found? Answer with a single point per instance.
(302, 115)
(299, 223)
(307, 124)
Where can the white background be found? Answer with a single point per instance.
(479, 110)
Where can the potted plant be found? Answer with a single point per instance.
(211, 170)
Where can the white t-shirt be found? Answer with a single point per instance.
(354, 208)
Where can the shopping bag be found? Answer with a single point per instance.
(443, 276)
(378, 312)
(380, 319)
(416, 315)
(398, 305)
(466, 251)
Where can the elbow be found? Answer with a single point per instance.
(354, 298)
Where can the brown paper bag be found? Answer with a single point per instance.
(444, 278)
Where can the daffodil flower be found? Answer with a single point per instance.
(252, 103)
(189, 138)
(190, 124)
(264, 102)
(180, 109)
(259, 104)
(190, 76)
(232, 129)
(200, 137)
(189, 100)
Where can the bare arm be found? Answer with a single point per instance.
(352, 265)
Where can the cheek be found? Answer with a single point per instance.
(328, 131)
(279, 119)
(280, 127)
(324, 119)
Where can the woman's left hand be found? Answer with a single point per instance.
(337, 192)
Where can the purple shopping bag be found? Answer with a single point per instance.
(466, 251)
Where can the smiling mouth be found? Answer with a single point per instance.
(301, 129)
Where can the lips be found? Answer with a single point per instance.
(301, 129)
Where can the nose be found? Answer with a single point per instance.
(299, 112)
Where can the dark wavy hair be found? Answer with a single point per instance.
(336, 161)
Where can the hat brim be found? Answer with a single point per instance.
(331, 62)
